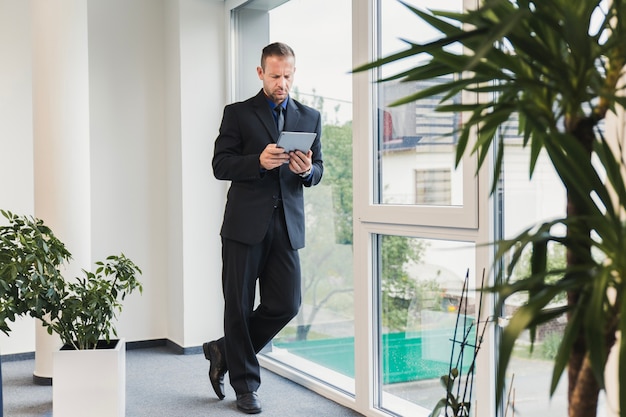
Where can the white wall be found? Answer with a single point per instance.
(196, 91)
(128, 142)
(203, 93)
(156, 93)
(16, 135)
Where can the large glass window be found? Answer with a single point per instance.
(415, 143)
(320, 340)
(409, 248)
(427, 305)
(527, 202)
(427, 324)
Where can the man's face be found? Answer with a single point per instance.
(277, 77)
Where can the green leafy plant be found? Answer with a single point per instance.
(81, 311)
(550, 345)
(89, 305)
(398, 288)
(30, 255)
(556, 67)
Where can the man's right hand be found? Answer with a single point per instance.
(273, 157)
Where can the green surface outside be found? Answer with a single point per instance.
(406, 356)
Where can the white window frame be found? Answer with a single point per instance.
(471, 222)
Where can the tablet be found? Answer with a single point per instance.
(291, 141)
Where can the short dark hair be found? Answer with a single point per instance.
(276, 49)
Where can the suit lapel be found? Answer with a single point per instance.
(264, 113)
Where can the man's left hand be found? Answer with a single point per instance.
(299, 162)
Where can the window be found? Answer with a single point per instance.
(392, 231)
(320, 340)
(527, 202)
(396, 232)
(425, 302)
(432, 187)
(411, 136)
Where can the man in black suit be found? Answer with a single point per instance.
(263, 225)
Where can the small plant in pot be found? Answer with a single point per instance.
(89, 372)
(89, 305)
(81, 311)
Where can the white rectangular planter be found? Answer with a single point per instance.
(89, 382)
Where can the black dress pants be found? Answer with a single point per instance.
(247, 329)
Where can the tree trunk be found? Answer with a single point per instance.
(582, 391)
(302, 331)
(583, 399)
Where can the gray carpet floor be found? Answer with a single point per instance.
(160, 383)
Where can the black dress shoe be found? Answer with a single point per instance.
(249, 403)
(217, 369)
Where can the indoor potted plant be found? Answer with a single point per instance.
(89, 372)
(30, 256)
(81, 311)
(558, 66)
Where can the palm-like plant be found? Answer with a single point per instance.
(556, 65)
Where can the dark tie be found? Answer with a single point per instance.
(280, 118)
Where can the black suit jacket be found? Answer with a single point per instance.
(247, 127)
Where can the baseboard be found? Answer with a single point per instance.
(176, 348)
(144, 344)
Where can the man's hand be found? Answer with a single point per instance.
(273, 157)
(299, 162)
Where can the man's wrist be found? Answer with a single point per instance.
(306, 173)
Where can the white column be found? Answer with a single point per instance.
(61, 138)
